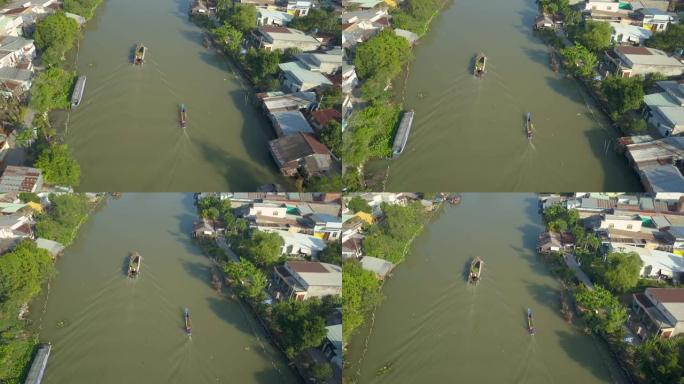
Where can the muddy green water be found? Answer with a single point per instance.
(119, 330)
(468, 134)
(435, 328)
(126, 134)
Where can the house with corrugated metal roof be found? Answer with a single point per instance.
(301, 280)
(627, 61)
(659, 312)
(271, 38)
(297, 77)
(295, 153)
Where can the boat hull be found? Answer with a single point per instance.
(479, 69)
(139, 57)
(475, 271)
(134, 264)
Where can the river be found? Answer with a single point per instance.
(469, 134)
(435, 328)
(119, 330)
(126, 134)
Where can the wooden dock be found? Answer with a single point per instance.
(35, 375)
(401, 138)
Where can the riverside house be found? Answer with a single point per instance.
(627, 61)
(301, 153)
(21, 179)
(665, 110)
(298, 77)
(272, 38)
(301, 280)
(659, 312)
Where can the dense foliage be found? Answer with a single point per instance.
(300, 324)
(580, 60)
(559, 218)
(332, 253)
(381, 58)
(358, 204)
(85, 8)
(370, 133)
(415, 15)
(662, 360)
(324, 20)
(390, 238)
(228, 37)
(562, 7)
(63, 218)
(360, 294)
(249, 281)
(242, 17)
(264, 248)
(58, 166)
(262, 67)
(54, 36)
(22, 272)
(669, 40)
(623, 93)
(620, 271)
(331, 136)
(51, 90)
(594, 35)
(603, 311)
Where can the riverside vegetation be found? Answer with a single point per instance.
(602, 308)
(295, 325)
(378, 61)
(23, 271)
(389, 240)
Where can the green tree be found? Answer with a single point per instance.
(389, 240)
(623, 93)
(331, 98)
(321, 371)
(85, 8)
(325, 20)
(661, 360)
(250, 282)
(324, 184)
(51, 90)
(331, 136)
(58, 166)
(581, 61)
(22, 271)
(55, 35)
(63, 217)
(265, 248)
(595, 35)
(332, 253)
(382, 56)
(621, 271)
(229, 37)
(358, 204)
(26, 197)
(360, 294)
(669, 40)
(243, 17)
(370, 133)
(299, 324)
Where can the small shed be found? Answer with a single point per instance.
(380, 267)
(53, 247)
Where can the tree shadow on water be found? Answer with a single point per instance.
(576, 345)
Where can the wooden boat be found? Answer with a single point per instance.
(139, 58)
(188, 325)
(402, 135)
(475, 271)
(529, 126)
(530, 323)
(134, 262)
(480, 64)
(39, 364)
(183, 115)
(77, 95)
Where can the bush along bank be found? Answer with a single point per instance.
(378, 62)
(24, 270)
(54, 36)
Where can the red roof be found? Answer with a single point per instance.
(667, 295)
(16, 11)
(323, 116)
(274, 29)
(630, 50)
(316, 146)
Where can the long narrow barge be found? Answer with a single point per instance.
(79, 88)
(35, 374)
(401, 138)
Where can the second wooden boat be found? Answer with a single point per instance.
(529, 126)
(480, 65)
(530, 322)
(139, 57)
(183, 115)
(188, 325)
(134, 263)
(475, 271)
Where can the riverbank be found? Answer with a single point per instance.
(362, 288)
(261, 68)
(250, 258)
(63, 217)
(372, 129)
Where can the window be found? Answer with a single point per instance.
(629, 226)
